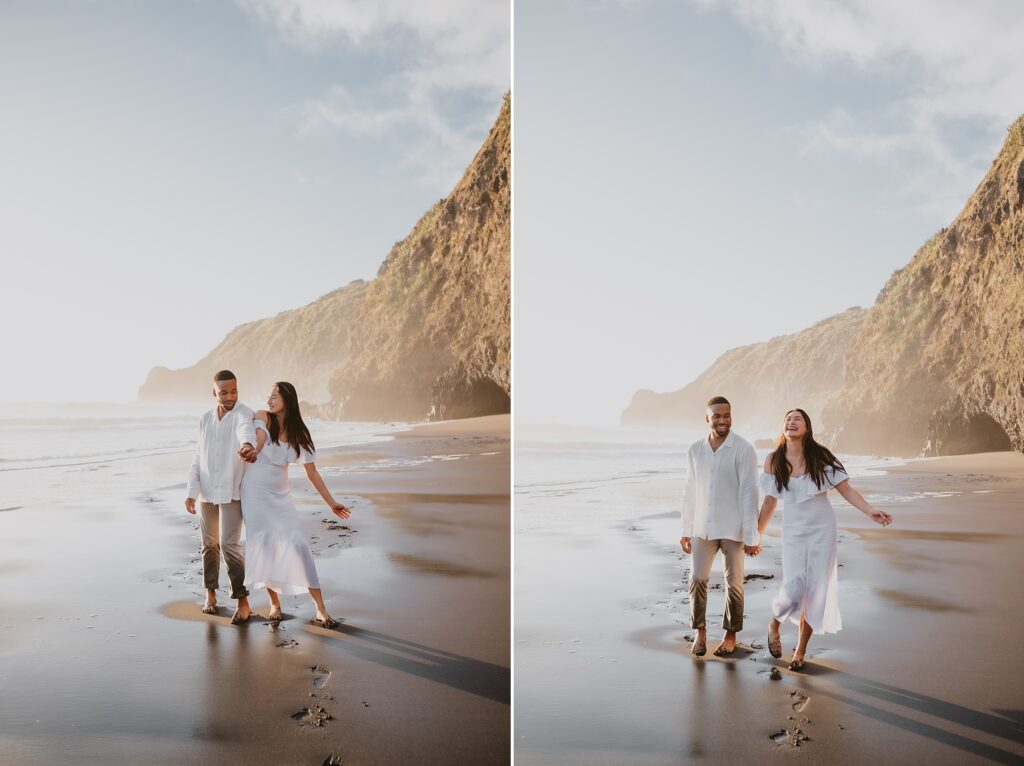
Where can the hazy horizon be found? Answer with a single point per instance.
(175, 170)
(698, 176)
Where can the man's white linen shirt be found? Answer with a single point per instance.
(216, 469)
(720, 499)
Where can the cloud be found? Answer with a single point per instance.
(963, 62)
(451, 48)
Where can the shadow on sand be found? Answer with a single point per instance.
(1007, 725)
(464, 673)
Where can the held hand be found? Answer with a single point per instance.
(880, 517)
(340, 510)
(684, 542)
(752, 550)
(248, 453)
(190, 505)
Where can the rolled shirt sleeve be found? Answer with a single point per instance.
(245, 430)
(193, 486)
(748, 481)
(689, 496)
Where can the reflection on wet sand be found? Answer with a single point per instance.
(880, 535)
(918, 601)
(909, 550)
(405, 510)
(227, 685)
(436, 566)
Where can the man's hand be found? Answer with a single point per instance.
(190, 505)
(684, 542)
(247, 452)
(752, 550)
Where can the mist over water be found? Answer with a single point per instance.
(566, 476)
(66, 452)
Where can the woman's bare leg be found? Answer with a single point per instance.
(805, 636)
(775, 638)
(275, 604)
(318, 599)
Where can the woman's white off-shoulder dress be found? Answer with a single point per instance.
(277, 553)
(810, 585)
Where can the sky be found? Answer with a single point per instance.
(692, 176)
(172, 170)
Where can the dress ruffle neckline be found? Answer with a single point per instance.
(801, 488)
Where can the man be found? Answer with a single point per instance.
(226, 438)
(719, 514)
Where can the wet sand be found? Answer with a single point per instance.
(106, 658)
(925, 670)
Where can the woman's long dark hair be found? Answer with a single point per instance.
(291, 421)
(817, 457)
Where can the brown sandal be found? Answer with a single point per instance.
(330, 623)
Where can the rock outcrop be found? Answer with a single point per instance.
(303, 346)
(430, 337)
(762, 380)
(433, 338)
(938, 366)
(935, 367)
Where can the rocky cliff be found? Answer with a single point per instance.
(428, 338)
(303, 346)
(762, 380)
(938, 366)
(434, 332)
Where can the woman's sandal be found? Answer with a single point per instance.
(797, 666)
(330, 623)
(774, 645)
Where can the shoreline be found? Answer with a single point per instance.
(891, 685)
(418, 670)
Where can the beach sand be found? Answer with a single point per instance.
(925, 671)
(105, 657)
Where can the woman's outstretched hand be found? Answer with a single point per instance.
(340, 510)
(881, 517)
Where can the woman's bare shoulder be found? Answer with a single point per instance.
(263, 415)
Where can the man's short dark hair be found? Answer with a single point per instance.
(224, 375)
(717, 400)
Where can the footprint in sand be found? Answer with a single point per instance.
(321, 676)
(314, 716)
(789, 737)
(288, 643)
(800, 701)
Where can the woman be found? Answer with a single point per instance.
(801, 472)
(277, 554)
